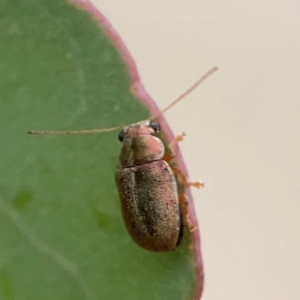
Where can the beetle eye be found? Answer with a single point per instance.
(155, 126)
(121, 135)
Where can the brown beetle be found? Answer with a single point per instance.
(148, 189)
(152, 208)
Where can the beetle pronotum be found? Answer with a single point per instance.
(151, 206)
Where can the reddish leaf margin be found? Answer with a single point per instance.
(139, 91)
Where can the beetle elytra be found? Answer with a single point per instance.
(153, 210)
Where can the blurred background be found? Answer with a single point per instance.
(242, 125)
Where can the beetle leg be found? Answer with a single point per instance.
(185, 211)
(180, 176)
(168, 157)
(184, 180)
(178, 138)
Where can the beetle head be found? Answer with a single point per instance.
(140, 145)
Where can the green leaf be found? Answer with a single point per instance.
(61, 230)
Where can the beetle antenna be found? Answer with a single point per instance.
(188, 91)
(76, 131)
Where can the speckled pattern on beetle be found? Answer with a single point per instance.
(153, 211)
(148, 189)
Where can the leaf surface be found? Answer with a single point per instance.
(61, 230)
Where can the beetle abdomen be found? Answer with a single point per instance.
(150, 206)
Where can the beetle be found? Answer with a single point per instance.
(153, 210)
(148, 189)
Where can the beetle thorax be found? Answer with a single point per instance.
(140, 145)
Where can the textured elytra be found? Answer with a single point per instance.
(150, 205)
(148, 190)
